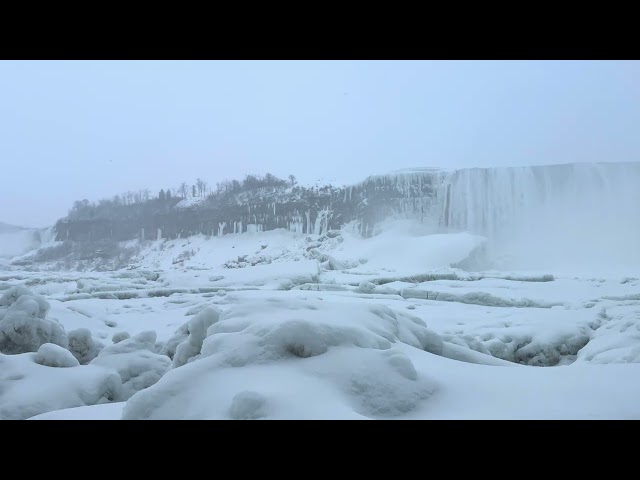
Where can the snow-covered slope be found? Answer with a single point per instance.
(279, 324)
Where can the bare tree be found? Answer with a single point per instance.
(292, 179)
(184, 188)
(128, 196)
(202, 187)
(145, 194)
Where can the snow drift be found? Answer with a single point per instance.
(290, 354)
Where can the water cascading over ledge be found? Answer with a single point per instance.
(549, 214)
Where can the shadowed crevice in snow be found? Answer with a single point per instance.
(533, 347)
(524, 350)
(425, 277)
(476, 298)
(327, 287)
(431, 277)
(164, 292)
(8, 278)
(622, 298)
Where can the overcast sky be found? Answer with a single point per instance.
(78, 129)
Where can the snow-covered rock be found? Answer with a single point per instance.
(24, 326)
(82, 345)
(28, 389)
(120, 336)
(197, 328)
(136, 361)
(51, 355)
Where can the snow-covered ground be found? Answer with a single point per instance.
(277, 324)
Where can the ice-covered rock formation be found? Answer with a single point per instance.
(34, 383)
(136, 361)
(23, 323)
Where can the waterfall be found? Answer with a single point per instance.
(578, 212)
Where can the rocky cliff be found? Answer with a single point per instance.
(313, 210)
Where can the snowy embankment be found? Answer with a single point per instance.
(281, 325)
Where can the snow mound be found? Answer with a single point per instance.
(23, 325)
(618, 338)
(136, 361)
(28, 389)
(279, 276)
(51, 355)
(14, 293)
(82, 345)
(247, 406)
(291, 350)
(405, 248)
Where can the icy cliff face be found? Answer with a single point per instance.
(404, 194)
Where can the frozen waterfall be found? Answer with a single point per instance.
(549, 214)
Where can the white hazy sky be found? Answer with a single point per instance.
(90, 129)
